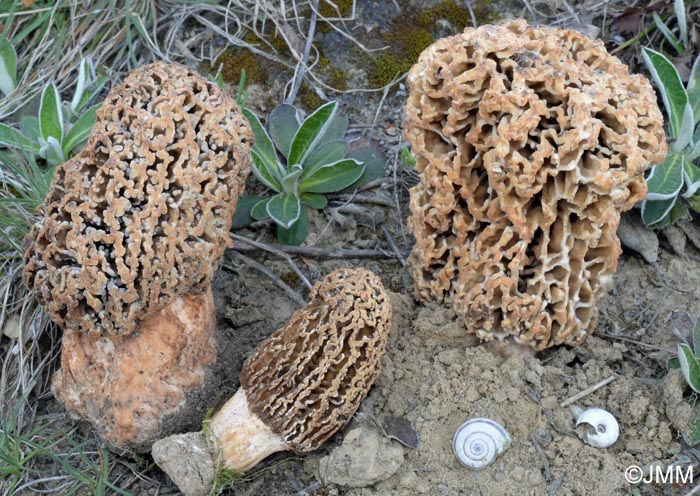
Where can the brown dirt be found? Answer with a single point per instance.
(436, 376)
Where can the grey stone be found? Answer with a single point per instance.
(186, 460)
(676, 238)
(364, 458)
(637, 237)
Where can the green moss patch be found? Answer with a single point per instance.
(413, 31)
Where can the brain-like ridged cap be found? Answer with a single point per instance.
(530, 142)
(309, 377)
(142, 214)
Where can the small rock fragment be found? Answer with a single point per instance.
(186, 459)
(691, 230)
(401, 430)
(11, 327)
(364, 458)
(676, 238)
(637, 237)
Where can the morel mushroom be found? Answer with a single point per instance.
(299, 387)
(530, 141)
(123, 257)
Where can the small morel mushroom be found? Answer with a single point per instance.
(123, 257)
(530, 141)
(299, 387)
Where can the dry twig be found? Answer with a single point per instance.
(588, 391)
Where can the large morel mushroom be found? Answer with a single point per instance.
(530, 141)
(299, 387)
(124, 254)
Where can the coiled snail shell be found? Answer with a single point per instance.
(596, 426)
(478, 442)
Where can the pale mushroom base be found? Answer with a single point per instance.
(234, 439)
(136, 388)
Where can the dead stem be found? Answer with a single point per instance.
(252, 263)
(322, 253)
(587, 391)
(276, 251)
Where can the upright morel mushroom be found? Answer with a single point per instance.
(124, 255)
(299, 387)
(530, 141)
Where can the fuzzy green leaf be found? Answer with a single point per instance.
(693, 90)
(655, 213)
(325, 153)
(8, 66)
(242, 94)
(52, 152)
(259, 210)
(678, 211)
(375, 163)
(29, 126)
(311, 132)
(691, 176)
(666, 180)
(692, 434)
(694, 153)
(265, 150)
(265, 173)
(689, 366)
(336, 128)
(12, 138)
(685, 135)
(314, 200)
(80, 85)
(694, 202)
(50, 114)
(673, 363)
(669, 84)
(80, 131)
(332, 177)
(283, 124)
(670, 37)
(296, 234)
(242, 216)
(679, 10)
(284, 209)
(696, 338)
(89, 93)
(290, 182)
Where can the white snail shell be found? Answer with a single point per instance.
(478, 442)
(596, 426)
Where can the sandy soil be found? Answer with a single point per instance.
(436, 376)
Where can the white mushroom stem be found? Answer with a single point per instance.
(235, 439)
(244, 440)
